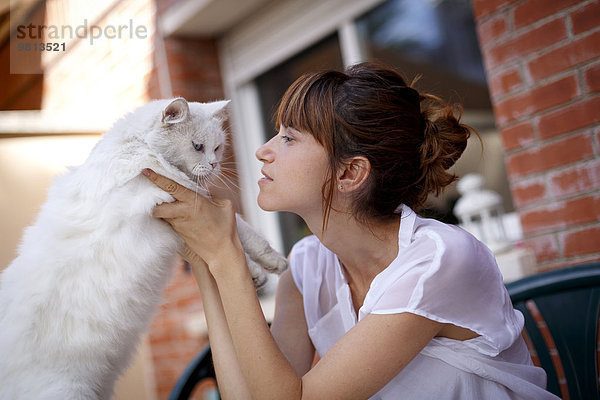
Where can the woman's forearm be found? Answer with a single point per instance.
(267, 372)
(208, 228)
(231, 382)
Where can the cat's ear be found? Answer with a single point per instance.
(218, 109)
(176, 111)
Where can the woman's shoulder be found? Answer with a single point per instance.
(442, 273)
(450, 242)
(449, 233)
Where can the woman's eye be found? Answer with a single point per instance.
(198, 146)
(286, 138)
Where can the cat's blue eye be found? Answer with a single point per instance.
(198, 146)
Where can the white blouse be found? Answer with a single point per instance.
(441, 273)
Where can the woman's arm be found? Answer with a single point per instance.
(229, 375)
(356, 367)
(289, 325)
(288, 329)
(363, 361)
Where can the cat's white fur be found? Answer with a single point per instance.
(91, 270)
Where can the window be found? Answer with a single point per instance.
(434, 39)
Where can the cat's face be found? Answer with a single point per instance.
(190, 137)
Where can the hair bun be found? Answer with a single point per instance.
(444, 141)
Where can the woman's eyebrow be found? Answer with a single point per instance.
(293, 131)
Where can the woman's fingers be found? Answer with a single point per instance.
(173, 188)
(206, 227)
(167, 210)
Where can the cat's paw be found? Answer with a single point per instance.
(259, 277)
(276, 263)
(260, 281)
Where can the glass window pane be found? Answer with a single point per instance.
(435, 39)
(271, 86)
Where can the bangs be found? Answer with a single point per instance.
(308, 105)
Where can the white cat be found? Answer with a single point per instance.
(91, 270)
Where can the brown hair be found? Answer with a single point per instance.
(410, 139)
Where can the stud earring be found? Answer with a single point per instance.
(340, 187)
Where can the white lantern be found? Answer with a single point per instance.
(481, 213)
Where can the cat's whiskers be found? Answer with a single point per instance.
(200, 183)
(197, 182)
(228, 182)
(228, 163)
(230, 175)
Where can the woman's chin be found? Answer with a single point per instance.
(264, 204)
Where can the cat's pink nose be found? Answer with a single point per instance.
(214, 165)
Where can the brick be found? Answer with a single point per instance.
(534, 10)
(586, 17)
(482, 8)
(568, 56)
(517, 136)
(561, 215)
(552, 155)
(592, 78)
(505, 82)
(526, 43)
(492, 29)
(538, 99)
(581, 242)
(545, 247)
(528, 192)
(572, 117)
(576, 179)
(186, 302)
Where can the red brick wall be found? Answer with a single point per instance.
(543, 64)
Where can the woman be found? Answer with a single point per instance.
(395, 305)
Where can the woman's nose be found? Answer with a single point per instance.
(264, 153)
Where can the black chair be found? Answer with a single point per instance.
(561, 310)
(198, 371)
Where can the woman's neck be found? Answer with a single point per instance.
(363, 249)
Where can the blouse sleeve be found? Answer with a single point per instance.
(450, 277)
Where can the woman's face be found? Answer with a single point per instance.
(294, 171)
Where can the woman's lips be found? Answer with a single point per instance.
(265, 179)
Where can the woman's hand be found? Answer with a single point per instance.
(207, 226)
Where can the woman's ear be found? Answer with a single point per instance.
(353, 173)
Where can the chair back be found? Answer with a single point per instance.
(198, 377)
(561, 310)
